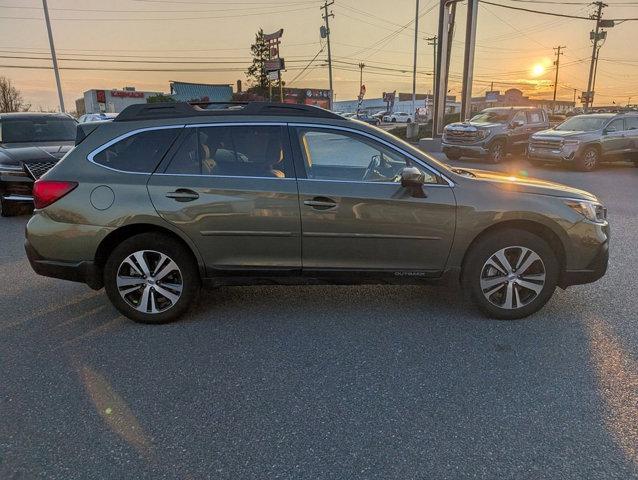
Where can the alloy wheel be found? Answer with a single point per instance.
(590, 159)
(149, 281)
(497, 152)
(512, 277)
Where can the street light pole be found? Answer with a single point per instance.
(432, 41)
(54, 58)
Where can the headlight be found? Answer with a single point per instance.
(592, 211)
(482, 134)
(571, 142)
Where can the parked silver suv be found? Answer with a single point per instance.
(587, 140)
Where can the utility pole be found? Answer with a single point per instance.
(361, 67)
(557, 63)
(55, 59)
(433, 41)
(468, 59)
(594, 53)
(326, 16)
(575, 97)
(416, 44)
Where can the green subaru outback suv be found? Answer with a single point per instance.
(170, 197)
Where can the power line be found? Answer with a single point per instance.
(553, 13)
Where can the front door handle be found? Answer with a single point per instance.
(321, 203)
(183, 195)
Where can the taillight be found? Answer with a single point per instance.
(46, 192)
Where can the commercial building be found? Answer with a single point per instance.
(201, 92)
(114, 101)
(515, 98)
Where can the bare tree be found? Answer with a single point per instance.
(10, 97)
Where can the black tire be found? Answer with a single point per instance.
(476, 266)
(394, 120)
(587, 160)
(163, 244)
(10, 209)
(408, 121)
(496, 151)
(452, 156)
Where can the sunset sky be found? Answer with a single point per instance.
(514, 49)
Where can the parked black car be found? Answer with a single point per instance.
(493, 133)
(30, 144)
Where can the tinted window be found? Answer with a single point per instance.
(616, 125)
(332, 155)
(138, 153)
(631, 123)
(243, 151)
(31, 130)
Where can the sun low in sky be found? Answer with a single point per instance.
(538, 70)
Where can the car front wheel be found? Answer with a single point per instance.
(510, 274)
(496, 152)
(588, 160)
(151, 278)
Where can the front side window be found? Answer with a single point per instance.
(237, 151)
(520, 117)
(344, 156)
(140, 153)
(534, 117)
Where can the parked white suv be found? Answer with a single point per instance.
(398, 117)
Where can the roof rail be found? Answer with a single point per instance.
(152, 111)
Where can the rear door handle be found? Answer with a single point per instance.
(321, 203)
(183, 195)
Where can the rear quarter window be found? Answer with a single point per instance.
(140, 152)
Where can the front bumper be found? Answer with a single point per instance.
(16, 188)
(595, 270)
(562, 154)
(475, 150)
(85, 271)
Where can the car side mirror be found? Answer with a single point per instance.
(412, 177)
(413, 180)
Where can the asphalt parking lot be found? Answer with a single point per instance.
(384, 382)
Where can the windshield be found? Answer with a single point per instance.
(33, 130)
(583, 123)
(491, 116)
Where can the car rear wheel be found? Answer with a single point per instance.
(496, 152)
(510, 274)
(588, 160)
(151, 278)
(394, 120)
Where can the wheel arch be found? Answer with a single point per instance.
(532, 226)
(117, 236)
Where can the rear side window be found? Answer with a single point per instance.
(632, 123)
(140, 153)
(241, 151)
